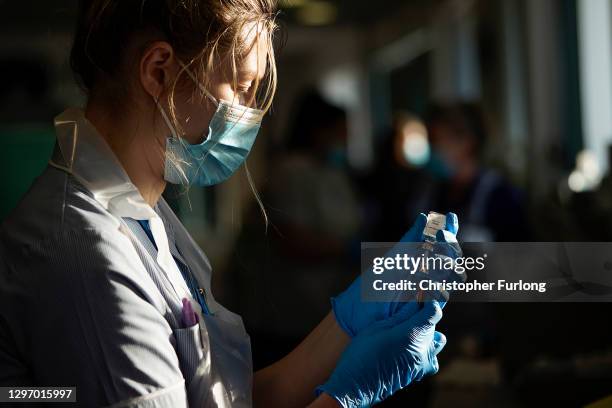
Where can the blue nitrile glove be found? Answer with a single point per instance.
(353, 314)
(386, 357)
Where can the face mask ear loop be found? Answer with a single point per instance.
(204, 90)
(167, 120)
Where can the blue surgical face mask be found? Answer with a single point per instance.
(231, 134)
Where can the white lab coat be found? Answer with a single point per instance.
(83, 303)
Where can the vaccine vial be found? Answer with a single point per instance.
(435, 223)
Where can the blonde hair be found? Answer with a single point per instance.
(205, 35)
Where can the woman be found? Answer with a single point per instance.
(103, 288)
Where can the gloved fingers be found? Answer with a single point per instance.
(428, 295)
(441, 296)
(452, 249)
(340, 319)
(380, 325)
(435, 366)
(431, 312)
(435, 346)
(400, 317)
(438, 343)
(415, 233)
(446, 236)
(343, 307)
(405, 310)
(427, 317)
(452, 223)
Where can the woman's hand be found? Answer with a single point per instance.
(354, 315)
(386, 357)
(290, 381)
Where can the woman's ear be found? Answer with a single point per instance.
(157, 68)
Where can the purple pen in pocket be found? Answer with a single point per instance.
(190, 317)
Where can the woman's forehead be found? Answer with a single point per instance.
(255, 57)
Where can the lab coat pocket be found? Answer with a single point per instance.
(224, 377)
(189, 349)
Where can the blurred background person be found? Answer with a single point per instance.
(490, 207)
(392, 192)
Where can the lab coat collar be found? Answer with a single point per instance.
(83, 152)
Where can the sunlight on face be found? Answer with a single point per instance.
(250, 68)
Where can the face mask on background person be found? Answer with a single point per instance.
(231, 134)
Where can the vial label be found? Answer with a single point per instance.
(435, 222)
